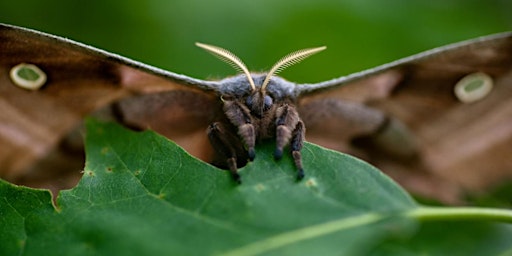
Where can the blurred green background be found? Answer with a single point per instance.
(359, 34)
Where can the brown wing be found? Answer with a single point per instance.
(82, 80)
(409, 106)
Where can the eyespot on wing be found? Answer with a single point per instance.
(473, 87)
(27, 76)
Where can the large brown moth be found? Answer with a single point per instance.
(443, 115)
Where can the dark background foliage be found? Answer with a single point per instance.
(358, 34)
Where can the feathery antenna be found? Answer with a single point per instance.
(288, 60)
(229, 58)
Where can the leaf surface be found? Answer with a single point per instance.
(143, 195)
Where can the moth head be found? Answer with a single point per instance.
(258, 100)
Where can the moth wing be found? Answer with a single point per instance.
(81, 80)
(425, 127)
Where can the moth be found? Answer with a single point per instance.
(441, 117)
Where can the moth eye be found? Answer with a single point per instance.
(473, 87)
(248, 101)
(27, 76)
(267, 102)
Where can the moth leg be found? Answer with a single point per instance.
(286, 122)
(296, 145)
(224, 143)
(240, 116)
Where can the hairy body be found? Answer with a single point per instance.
(254, 115)
(258, 108)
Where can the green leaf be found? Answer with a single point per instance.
(143, 195)
(451, 238)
